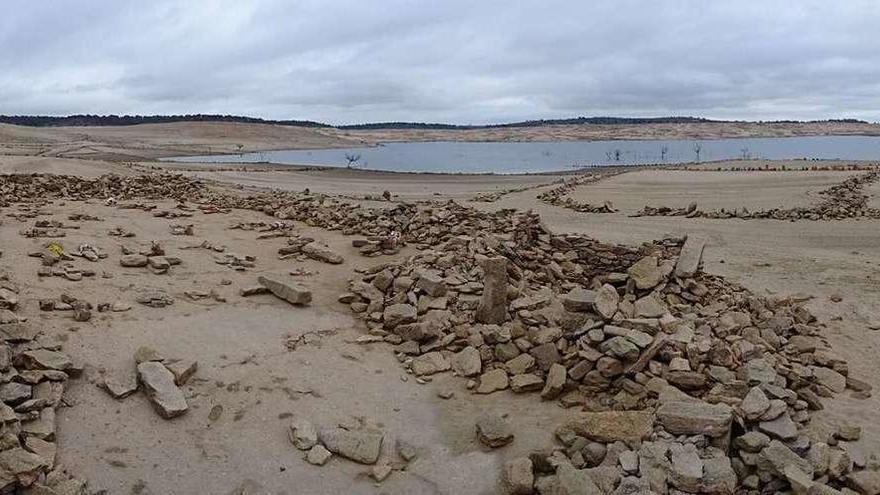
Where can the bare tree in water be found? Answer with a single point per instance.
(697, 149)
(351, 159)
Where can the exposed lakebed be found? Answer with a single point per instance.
(529, 157)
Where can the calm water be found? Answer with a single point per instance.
(561, 155)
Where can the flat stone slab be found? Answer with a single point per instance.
(358, 446)
(690, 257)
(291, 292)
(695, 418)
(159, 386)
(612, 426)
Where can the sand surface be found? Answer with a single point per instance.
(246, 367)
(710, 190)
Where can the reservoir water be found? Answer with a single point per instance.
(525, 157)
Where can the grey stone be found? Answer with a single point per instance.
(120, 387)
(579, 300)
(865, 482)
(520, 364)
(363, 446)
(629, 461)
(14, 393)
(555, 382)
(695, 418)
(606, 301)
(493, 431)
(526, 382)
(718, 475)
(646, 273)
(429, 364)
(829, 378)
(782, 428)
(431, 284)
(492, 381)
(397, 314)
(686, 467)
(493, 303)
(568, 481)
(649, 307)
(133, 260)
(752, 441)
(321, 252)
(303, 434)
(158, 382)
(182, 369)
(518, 477)
(690, 257)
(754, 404)
(611, 426)
(318, 455)
(44, 359)
(467, 362)
(620, 347)
(293, 293)
(776, 456)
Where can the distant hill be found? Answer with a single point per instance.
(124, 120)
(111, 120)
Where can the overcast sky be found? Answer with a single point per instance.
(473, 61)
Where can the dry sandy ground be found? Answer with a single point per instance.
(711, 190)
(161, 140)
(361, 182)
(245, 366)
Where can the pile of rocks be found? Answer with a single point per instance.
(27, 188)
(491, 197)
(767, 167)
(558, 196)
(34, 374)
(842, 201)
(694, 383)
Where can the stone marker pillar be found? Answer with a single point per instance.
(493, 304)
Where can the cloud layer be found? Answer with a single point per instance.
(451, 61)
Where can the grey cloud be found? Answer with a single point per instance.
(457, 61)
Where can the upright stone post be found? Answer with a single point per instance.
(493, 305)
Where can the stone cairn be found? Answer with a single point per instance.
(690, 383)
